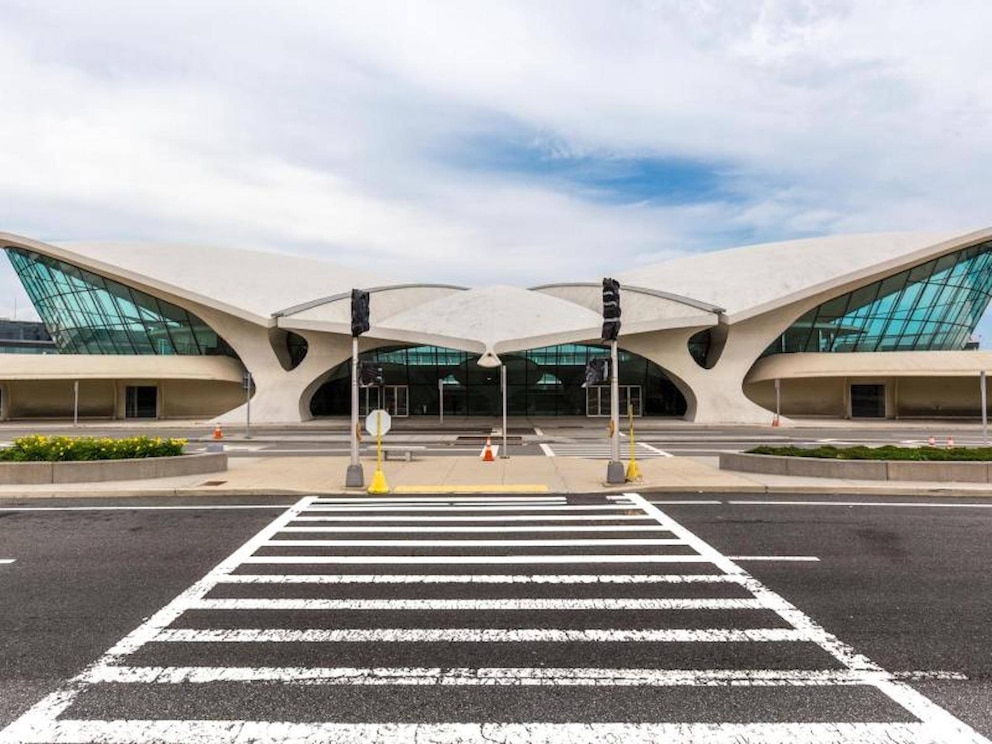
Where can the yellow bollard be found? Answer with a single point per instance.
(633, 472)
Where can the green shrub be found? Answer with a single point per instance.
(886, 452)
(39, 448)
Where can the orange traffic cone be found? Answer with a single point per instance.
(487, 453)
(950, 443)
(775, 420)
(932, 441)
(218, 434)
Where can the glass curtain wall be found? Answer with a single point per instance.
(933, 306)
(86, 313)
(540, 382)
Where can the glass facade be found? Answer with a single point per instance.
(86, 313)
(933, 306)
(540, 382)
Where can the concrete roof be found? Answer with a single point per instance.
(744, 282)
(754, 279)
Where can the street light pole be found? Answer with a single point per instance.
(504, 453)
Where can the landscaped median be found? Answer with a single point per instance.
(39, 459)
(964, 464)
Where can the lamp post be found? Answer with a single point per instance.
(491, 361)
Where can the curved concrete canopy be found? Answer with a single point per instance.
(755, 279)
(495, 319)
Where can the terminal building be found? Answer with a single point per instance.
(851, 326)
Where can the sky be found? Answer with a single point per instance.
(491, 142)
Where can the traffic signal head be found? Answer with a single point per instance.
(597, 371)
(370, 374)
(611, 309)
(359, 312)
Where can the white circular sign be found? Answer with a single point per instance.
(377, 423)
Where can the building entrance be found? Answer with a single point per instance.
(540, 382)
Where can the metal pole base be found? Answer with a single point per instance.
(355, 477)
(615, 472)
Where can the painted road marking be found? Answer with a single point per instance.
(932, 715)
(482, 604)
(264, 732)
(475, 559)
(654, 450)
(434, 529)
(486, 677)
(591, 542)
(42, 724)
(481, 507)
(794, 558)
(8, 560)
(480, 579)
(480, 518)
(482, 635)
(548, 452)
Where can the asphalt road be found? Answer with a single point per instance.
(830, 585)
(581, 438)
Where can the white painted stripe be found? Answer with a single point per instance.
(792, 558)
(925, 710)
(54, 704)
(538, 431)
(900, 504)
(482, 635)
(264, 732)
(480, 507)
(481, 518)
(8, 560)
(481, 604)
(548, 452)
(475, 529)
(480, 579)
(476, 559)
(549, 543)
(653, 449)
(486, 676)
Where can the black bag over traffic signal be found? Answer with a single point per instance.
(359, 312)
(597, 371)
(370, 374)
(611, 309)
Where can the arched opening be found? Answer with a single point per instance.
(540, 382)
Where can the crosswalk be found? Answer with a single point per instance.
(482, 619)
(600, 450)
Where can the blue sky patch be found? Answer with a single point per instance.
(601, 176)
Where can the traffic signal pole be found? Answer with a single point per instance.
(615, 471)
(355, 477)
(360, 323)
(611, 329)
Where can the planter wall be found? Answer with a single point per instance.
(29, 473)
(897, 470)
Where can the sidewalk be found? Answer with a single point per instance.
(266, 476)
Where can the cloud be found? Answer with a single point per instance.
(509, 142)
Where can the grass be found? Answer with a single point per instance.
(39, 448)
